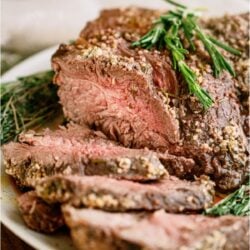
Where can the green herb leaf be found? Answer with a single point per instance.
(225, 46)
(176, 4)
(219, 62)
(166, 31)
(152, 38)
(194, 87)
(237, 203)
(188, 24)
(29, 101)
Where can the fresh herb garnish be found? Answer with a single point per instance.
(28, 102)
(237, 203)
(166, 34)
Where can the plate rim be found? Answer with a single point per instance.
(7, 76)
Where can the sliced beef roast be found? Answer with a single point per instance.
(115, 94)
(74, 151)
(38, 215)
(98, 230)
(171, 194)
(133, 96)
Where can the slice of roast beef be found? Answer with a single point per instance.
(105, 193)
(72, 151)
(132, 95)
(38, 215)
(95, 230)
(115, 94)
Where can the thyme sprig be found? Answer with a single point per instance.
(166, 33)
(27, 102)
(237, 203)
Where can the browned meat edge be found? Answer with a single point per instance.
(71, 151)
(171, 194)
(101, 65)
(99, 230)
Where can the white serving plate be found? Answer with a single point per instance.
(41, 61)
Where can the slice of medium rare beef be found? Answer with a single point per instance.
(124, 72)
(39, 215)
(95, 230)
(71, 151)
(172, 194)
(214, 139)
(114, 94)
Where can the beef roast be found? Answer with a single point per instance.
(120, 100)
(38, 215)
(98, 230)
(239, 40)
(79, 152)
(127, 106)
(134, 97)
(171, 194)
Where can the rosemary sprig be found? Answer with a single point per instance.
(174, 44)
(176, 4)
(166, 33)
(219, 62)
(152, 37)
(237, 203)
(224, 46)
(27, 102)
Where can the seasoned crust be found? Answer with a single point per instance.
(154, 231)
(77, 151)
(172, 194)
(214, 139)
